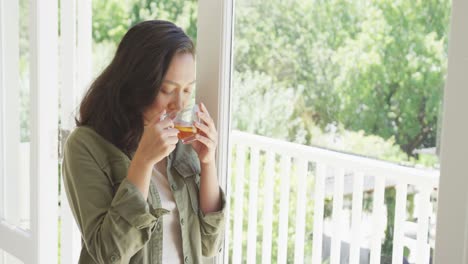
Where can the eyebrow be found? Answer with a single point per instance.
(177, 84)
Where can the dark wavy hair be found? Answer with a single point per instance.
(114, 104)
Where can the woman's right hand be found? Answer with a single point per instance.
(159, 139)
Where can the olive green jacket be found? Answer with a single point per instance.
(117, 225)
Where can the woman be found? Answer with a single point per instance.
(137, 193)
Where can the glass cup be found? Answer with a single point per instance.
(184, 122)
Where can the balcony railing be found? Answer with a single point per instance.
(278, 189)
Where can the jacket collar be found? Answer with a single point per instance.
(185, 160)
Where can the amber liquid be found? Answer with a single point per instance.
(185, 131)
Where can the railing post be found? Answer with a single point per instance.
(320, 171)
(268, 207)
(400, 215)
(302, 169)
(378, 219)
(284, 209)
(424, 207)
(337, 216)
(253, 192)
(356, 218)
(239, 205)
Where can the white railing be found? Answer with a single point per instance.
(276, 185)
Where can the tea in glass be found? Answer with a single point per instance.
(184, 122)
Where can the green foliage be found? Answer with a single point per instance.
(24, 92)
(272, 118)
(375, 66)
(182, 13)
(112, 18)
(275, 118)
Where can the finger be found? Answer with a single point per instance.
(166, 124)
(170, 149)
(169, 115)
(153, 120)
(207, 119)
(205, 141)
(205, 129)
(172, 140)
(203, 108)
(170, 132)
(161, 115)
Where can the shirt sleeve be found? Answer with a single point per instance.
(114, 226)
(212, 229)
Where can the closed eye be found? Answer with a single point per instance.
(167, 92)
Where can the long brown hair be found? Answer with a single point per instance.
(114, 104)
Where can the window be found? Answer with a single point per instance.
(335, 119)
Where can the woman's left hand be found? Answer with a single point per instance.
(206, 139)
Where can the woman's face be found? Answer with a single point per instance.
(176, 88)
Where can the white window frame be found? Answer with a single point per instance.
(452, 215)
(39, 243)
(214, 55)
(214, 43)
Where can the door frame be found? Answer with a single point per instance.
(38, 244)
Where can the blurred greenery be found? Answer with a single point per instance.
(24, 71)
(372, 67)
(112, 19)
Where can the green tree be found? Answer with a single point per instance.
(112, 18)
(376, 66)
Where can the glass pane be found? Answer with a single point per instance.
(112, 19)
(6, 258)
(358, 86)
(25, 117)
(17, 137)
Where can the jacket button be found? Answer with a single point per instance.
(173, 187)
(182, 221)
(114, 258)
(186, 259)
(158, 226)
(220, 249)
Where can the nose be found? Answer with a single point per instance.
(176, 103)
